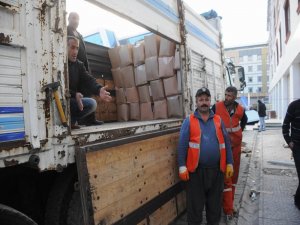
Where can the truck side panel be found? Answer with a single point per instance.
(126, 177)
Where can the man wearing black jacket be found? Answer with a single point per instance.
(291, 134)
(80, 80)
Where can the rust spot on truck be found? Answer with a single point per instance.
(5, 39)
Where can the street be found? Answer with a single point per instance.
(267, 181)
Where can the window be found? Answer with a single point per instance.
(250, 89)
(280, 43)
(287, 20)
(249, 58)
(250, 69)
(241, 59)
(259, 89)
(258, 67)
(232, 59)
(259, 79)
(250, 79)
(298, 9)
(258, 57)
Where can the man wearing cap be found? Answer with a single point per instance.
(204, 156)
(235, 120)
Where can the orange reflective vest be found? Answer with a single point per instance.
(194, 150)
(232, 123)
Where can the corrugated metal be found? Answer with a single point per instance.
(209, 68)
(198, 74)
(11, 108)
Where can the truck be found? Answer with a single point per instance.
(116, 173)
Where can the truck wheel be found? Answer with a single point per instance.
(75, 216)
(10, 216)
(59, 198)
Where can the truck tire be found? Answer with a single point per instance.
(75, 216)
(59, 197)
(10, 216)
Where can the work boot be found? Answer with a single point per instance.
(90, 120)
(229, 219)
(75, 126)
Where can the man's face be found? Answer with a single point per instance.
(74, 20)
(73, 46)
(203, 103)
(229, 98)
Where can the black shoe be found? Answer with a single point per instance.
(75, 126)
(94, 123)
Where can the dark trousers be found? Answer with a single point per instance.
(205, 188)
(296, 155)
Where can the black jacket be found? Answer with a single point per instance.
(80, 80)
(291, 123)
(261, 109)
(81, 51)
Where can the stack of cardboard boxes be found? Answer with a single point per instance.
(146, 83)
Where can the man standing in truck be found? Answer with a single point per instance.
(72, 31)
(235, 119)
(204, 156)
(79, 79)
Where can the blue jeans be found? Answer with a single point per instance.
(262, 125)
(89, 106)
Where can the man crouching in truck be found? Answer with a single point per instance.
(79, 79)
(204, 156)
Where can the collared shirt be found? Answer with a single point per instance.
(210, 151)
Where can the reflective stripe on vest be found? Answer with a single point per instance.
(194, 150)
(227, 189)
(233, 129)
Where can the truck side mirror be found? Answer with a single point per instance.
(241, 74)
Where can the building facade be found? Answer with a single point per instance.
(284, 57)
(254, 60)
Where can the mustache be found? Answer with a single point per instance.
(204, 106)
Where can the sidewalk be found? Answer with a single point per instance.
(271, 182)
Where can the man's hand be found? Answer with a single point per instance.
(104, 95)
(183, 173)
(291, 145)
(79, 97)
(229, 171)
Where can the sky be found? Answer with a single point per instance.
(243, 22)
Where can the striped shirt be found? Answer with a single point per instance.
(291, 123)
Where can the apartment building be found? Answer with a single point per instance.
(284, 57)
(254, 60)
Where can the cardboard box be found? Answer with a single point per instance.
(146, 111)
(175, 106)
(134, 111)
(144, 93)
(109, 84)
(139, 54)
(171, 86)
(114, 57)
(125, 53)
(117, 77)
(120, 96)
(166, 47)
(157, 90)
(140, 75)
(160, 109)
(132, 95)
(127, 74)
(165, 66)
(151, 66)
(151, 45)
(123, 112)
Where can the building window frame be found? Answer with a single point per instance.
(287, 20)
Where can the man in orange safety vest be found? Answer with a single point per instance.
(235, 120)
(204, 156)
